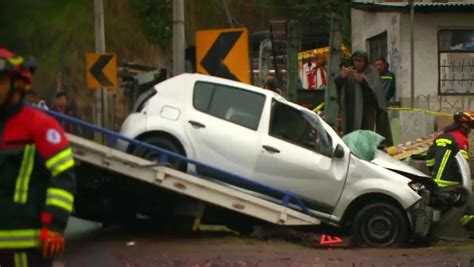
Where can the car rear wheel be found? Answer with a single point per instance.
(380, 225)
(164, 143)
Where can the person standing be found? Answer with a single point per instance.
(37, 180)
(362, 98)
(388, 78)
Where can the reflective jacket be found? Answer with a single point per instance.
(441, 157)
(36, 177)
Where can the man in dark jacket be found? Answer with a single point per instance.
(388, 78)
(37, 181)
(362, 98)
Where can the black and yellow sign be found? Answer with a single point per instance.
(224, 53)
(101, 71)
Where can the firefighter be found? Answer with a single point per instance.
(37, 180)
(440, 158)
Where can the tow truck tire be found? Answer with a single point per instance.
(380, 225)
(164, 143)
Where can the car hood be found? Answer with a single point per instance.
(384, 160)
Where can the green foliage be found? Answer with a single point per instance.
(156, 19)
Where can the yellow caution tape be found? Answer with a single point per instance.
(421, 110)
(319, 107)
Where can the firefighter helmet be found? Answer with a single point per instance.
(14, 66)
(464, 117)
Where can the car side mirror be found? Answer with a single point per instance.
(338, 152)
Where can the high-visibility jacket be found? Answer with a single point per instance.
(441, 157)
(37, 181)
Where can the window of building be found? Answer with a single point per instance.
(456, 61)
(236, 105)
(377, 46)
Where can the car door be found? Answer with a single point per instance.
(222, 126)
(296, 155)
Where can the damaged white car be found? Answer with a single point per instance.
(257, 134)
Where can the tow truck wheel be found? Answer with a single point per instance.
(164, 143)
(380, 225)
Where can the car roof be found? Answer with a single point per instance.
(194, 77)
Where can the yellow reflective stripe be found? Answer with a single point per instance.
(444, 140)
(25, 238)
(24, 175)
(60, 198)
(466, 219)
(21, 259)
(430, 162)
(386, 77)
(464, 153)
(61, 155)
(59, 203)
(63, 167)
(443, 164)
(444, 183)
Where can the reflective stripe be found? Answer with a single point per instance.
(464, 153)
(21, 259)
(430, 162)
(60, 198)
(53, 160)
(60, 162)
(466, 219)
(444, 140)
(63, 167)
(386, 77)
(444, 183)
(23, 179)
(443, 164)
(26, 238)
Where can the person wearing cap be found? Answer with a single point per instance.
(362, 98)
(440, 158)
(37, 180)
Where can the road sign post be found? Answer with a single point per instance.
(223, 53)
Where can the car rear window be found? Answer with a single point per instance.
(233, 104)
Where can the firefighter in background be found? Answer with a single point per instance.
(440, 158)
(37, 179)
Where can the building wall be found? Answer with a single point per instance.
(368, 24)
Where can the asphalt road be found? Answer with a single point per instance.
(90, 245)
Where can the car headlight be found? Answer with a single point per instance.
(416, 186)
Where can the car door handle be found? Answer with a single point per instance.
(197, 124)
(271, 149)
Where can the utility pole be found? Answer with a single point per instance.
(412, 53)
(178, 37)
(335, 53)
(292, 59)
(101, 103)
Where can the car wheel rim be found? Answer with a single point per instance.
(380, 229)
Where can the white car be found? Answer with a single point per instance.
(257, 134)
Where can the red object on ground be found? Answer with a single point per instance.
(330, 240)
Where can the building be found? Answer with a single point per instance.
(443, 49)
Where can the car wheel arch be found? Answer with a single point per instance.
(162, 134)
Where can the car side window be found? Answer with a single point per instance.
(229, 103)
(290, 125)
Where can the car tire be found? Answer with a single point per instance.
(380, 225)
(164, 143)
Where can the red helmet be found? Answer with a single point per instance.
(464, 117)
(14, 66)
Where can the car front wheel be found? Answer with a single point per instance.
(380, 225)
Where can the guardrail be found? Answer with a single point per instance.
(285, 197)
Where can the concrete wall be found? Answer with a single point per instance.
(368, 24)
